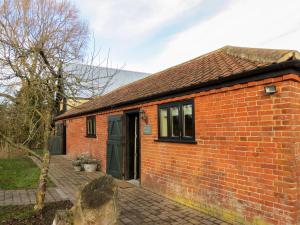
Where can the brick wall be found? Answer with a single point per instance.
(78, 143)
(294, 112)
(245, 165)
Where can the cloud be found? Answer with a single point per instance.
(131, 20)
(153, 35)
(253, 23)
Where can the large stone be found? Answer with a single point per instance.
(97, 203)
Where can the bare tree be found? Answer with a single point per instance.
(41, 44)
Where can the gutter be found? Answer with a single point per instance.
(273, 70)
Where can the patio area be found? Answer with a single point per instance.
(137, 205)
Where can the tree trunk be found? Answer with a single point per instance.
(41, 191)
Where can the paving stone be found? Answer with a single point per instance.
(1, 195)
(9, 195)
(23, 196)
(16, 197)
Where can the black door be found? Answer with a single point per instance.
(57, 143)
(114, 146)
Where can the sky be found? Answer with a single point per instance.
(150, 36)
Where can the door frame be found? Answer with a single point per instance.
(126, 144)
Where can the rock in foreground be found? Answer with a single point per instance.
(95, 205)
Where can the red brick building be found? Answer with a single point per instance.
(219, 132)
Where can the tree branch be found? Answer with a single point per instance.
(7, 96)
(9, 141)
(47, 63)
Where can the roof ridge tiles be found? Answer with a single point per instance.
(264, 55)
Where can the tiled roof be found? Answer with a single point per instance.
(220, 63)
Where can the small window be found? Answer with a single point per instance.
(91, 126)
(176, 121)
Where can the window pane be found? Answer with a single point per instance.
(89, 126)
(174, 117)
(187, 120)
(163, 113)
(94, 126)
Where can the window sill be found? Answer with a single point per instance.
(91, 136)
(176, 141)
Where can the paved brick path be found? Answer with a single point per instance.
(63, 175)
(137, 205)
(25, 197)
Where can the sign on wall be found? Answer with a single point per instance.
(147, 129)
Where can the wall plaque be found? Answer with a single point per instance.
(147, 129)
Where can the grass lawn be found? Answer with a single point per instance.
(24, 215)
(19, 173)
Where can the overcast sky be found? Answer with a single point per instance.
(153, 35)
